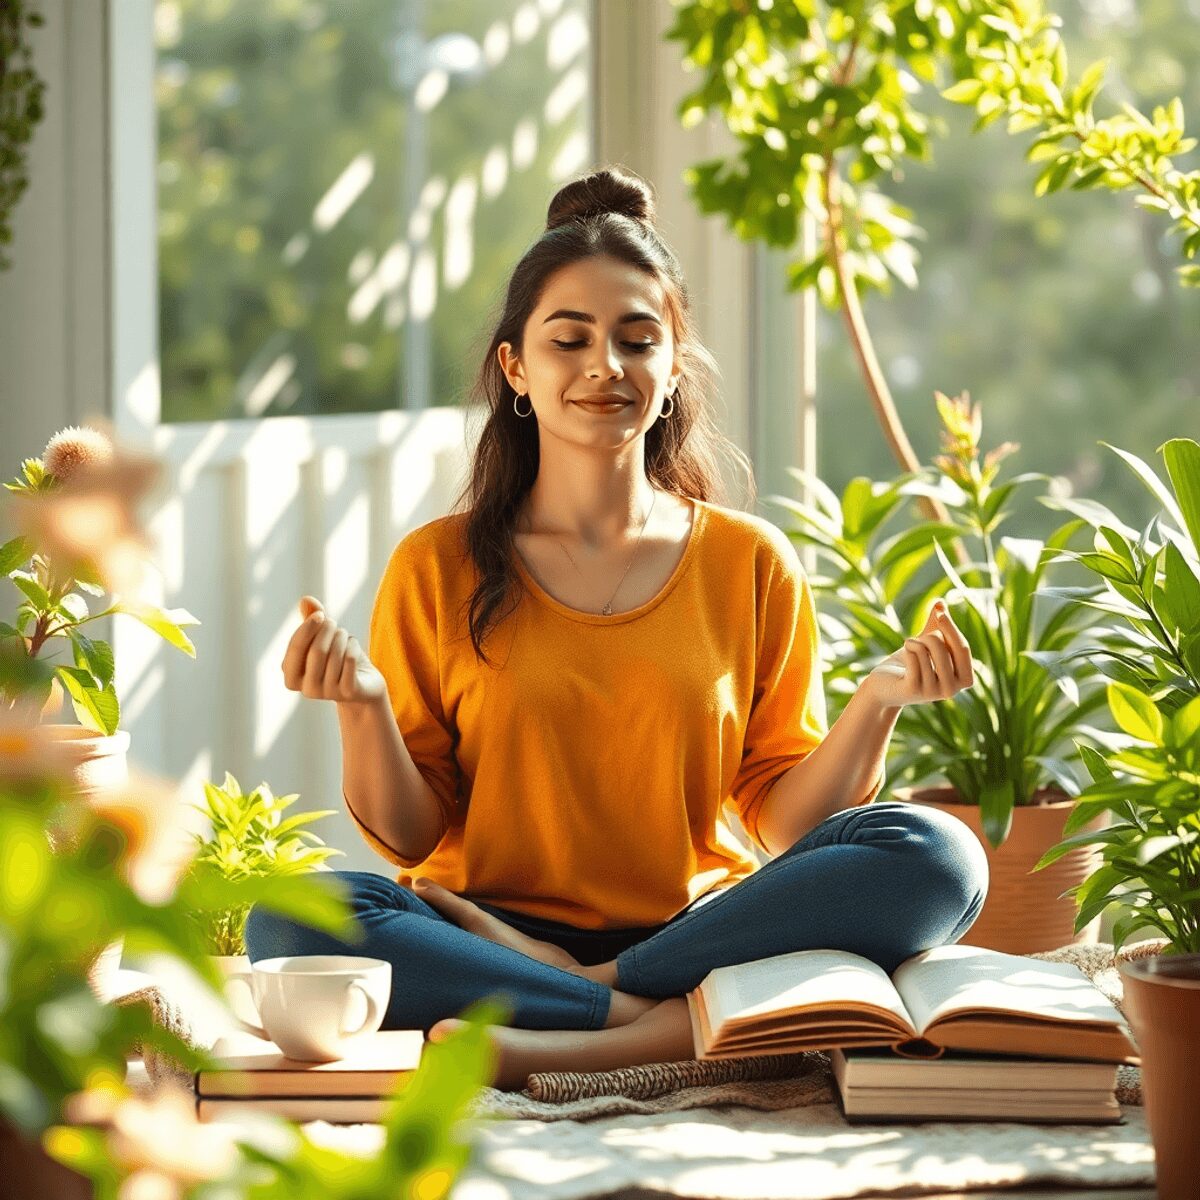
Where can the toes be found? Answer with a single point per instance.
(444, 1028)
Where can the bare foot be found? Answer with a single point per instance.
(662, 1034)
(473, 919)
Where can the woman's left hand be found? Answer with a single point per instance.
(934, 665)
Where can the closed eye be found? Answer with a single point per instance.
(637, 347)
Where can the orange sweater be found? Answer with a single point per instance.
(583, 777)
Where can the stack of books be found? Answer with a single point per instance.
(252, 1075)
(956, 1032)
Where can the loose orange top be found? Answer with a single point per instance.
(584, 776)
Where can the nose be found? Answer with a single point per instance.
(605, 363)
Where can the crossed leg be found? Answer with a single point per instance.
(885, 880)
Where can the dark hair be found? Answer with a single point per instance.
(607, 212)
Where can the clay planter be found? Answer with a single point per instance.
(31, 1174)
(1162, 1004)
(89, 765)
(1024, 912)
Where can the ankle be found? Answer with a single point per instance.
(605, 973)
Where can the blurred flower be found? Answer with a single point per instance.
(158, 829)
(76, 447)
(157, 1139)
(87, 523)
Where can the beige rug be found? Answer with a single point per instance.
(766, 1083)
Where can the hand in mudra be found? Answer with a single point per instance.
(323, 662)
(934, 665)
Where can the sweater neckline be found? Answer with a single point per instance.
(699, 515)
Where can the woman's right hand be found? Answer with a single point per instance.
(323, 662)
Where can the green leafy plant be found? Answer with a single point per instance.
(427, 1139)
(827, 103)
(21, 108)
(1005, 738)
(54, 610)
(250, 837)
(108, 876)
(1024, 76)
(1150, 781)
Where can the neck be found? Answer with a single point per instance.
(611, 517)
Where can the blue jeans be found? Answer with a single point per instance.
(883, 880)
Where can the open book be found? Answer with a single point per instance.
(949, 997)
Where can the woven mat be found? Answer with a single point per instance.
(767, 1083)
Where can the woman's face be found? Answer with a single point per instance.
(618, 341)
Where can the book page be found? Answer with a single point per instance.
(805, 979)
(950, 979)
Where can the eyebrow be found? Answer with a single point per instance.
(575, 315)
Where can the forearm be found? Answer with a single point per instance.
(838, 774)
(382, 785)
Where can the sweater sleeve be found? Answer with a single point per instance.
(403, 645)
(787, 718)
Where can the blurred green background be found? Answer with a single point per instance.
(289, 241)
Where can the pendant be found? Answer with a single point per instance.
(607, 610)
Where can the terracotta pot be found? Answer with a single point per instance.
(1025, 910)
(31, 1174)
(1162, 1003)
(91, 764)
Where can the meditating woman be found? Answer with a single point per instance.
(570, 679)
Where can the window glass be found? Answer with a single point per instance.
(343, 185)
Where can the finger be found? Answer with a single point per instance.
(310, 605)
(960, 651)
(934, 617)
(296, 654)
(349, 668)
(318, 653)
(916, 661)
(333, 664)
(943, 664)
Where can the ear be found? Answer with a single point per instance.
(510, 364)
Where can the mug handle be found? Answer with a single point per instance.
(372, 1017)
(244, 977)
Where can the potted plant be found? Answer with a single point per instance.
(249, 838)
(79, 540)
(998, 755)
(1150, 785)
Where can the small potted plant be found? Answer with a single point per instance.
(997, 756)
(1149, 783)
(80, 538)
(250, 837)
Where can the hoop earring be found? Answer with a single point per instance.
(666, 412)
(517, 410)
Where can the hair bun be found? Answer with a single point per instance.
(607, 190)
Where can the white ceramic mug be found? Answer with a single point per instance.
(307, 1002)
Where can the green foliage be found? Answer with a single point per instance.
(808, 89)
(1025, 78)
(250, 838)
(1005, 737)
(427, 1138)
(51, 614)
(21, 108)
(60, 905)
(1151, 654)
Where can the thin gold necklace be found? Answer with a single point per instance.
(607, 609)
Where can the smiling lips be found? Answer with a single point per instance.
(598, 405)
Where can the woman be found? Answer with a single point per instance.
(556, 803)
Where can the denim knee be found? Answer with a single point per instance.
(952, 850)
(271, 935)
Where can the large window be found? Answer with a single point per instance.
(1061, 314)
(344, 185)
